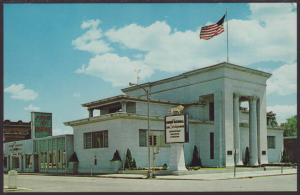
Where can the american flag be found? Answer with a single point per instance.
(208, 32)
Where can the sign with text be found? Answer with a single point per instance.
(41, 124)
(176, 129)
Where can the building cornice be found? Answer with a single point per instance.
(123, 115)
(126, 98)
(198, 71)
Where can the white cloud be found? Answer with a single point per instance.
(249, 41)
(76, 94)
(269, 34)
(166, 50)
(91, 40)
(283, 111)
(115, 69)
(283, 80)
(18, 91)
(31, 107)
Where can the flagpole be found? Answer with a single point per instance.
(227, 35)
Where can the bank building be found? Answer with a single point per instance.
(218, 125)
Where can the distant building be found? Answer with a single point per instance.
(14, 131)
(48, 154)
(39, 126)
(290, 147)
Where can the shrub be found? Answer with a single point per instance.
(129, 162)
(133, 165)
(284, 157)
(196, 161)
(165, 166)
(116, 156)
(74, 158)
(247, 156)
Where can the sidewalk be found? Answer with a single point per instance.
(213, 175)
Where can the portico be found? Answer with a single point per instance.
(254, 125)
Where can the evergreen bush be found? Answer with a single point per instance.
(133, 165)
(129, 162)
(284, 157)
(196, 161)
(247, 156)
(116, 156)
(165, 166)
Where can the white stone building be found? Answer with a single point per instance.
(211, 96)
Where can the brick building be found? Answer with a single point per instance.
(14, 131)
(290, 146)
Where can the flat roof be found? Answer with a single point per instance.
(197, 71)
(53, 136)
(118, 98)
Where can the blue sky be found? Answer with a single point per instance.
(58, 56)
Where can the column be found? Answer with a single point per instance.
(253, 131)
(258, 130)
(236, 127)
(91, 112)
(218, 125)
(123, 106)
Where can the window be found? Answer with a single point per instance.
(114, 108)
(5, 162)
(156, 138)
(50, 154)
(105, 141)
(271, 142)
(87, 140)
(15, 162)
(211, 135)
(211, 111)
(27, 161)
(98, 139)
(153, 140)
(58, 156)
(142, 137)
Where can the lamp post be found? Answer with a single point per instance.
(149, 173)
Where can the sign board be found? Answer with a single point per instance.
(176, 129)
(41, 124)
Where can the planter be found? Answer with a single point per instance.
(116, 165)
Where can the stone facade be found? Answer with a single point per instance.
(218, 125)
(211, 97)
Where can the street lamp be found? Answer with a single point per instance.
(149, 174)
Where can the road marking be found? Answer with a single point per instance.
(15, 189)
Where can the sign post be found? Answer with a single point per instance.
(176, 134)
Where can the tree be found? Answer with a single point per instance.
(129, 162)
(285, 157)
(116, 156)
(290, 127)
(196, 161)
(128, 159)
(247, 156)
(271, 119)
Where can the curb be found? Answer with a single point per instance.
(120, 177)
(243, 177)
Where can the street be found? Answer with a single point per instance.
(41, 183)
